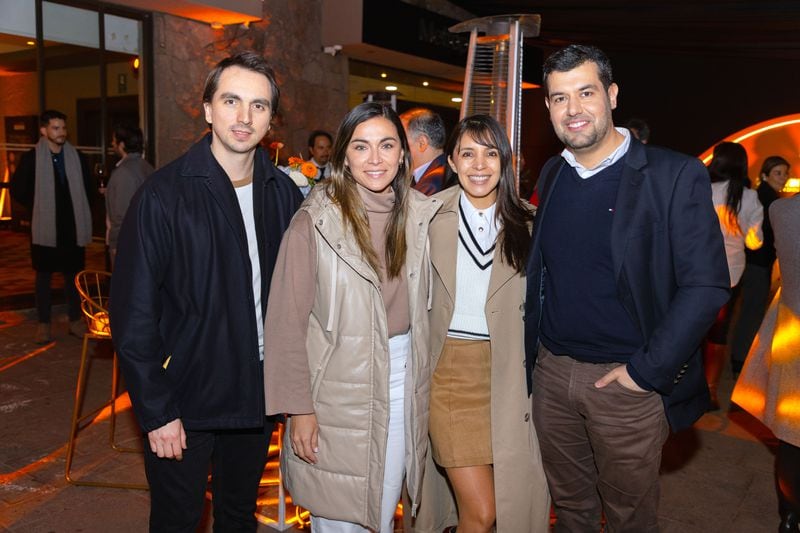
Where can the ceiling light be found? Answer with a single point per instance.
(31, 43)
(384, 75)
(425, 83)
(456, 99)
(391, 87)
(216, 25)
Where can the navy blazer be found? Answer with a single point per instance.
(182, 309)
(670, 266)
(432, 180)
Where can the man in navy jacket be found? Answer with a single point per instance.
(626, 273)
(194, 261)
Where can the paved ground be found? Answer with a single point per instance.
(717, 477)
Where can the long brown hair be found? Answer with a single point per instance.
(513, 218)
(342, 189)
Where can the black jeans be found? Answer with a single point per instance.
(177, 488)
(44, 299)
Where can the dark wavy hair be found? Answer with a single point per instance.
(730, 164)
(513, 218)
(341, 188)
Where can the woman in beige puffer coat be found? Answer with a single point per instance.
(346, 353)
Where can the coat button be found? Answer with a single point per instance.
(527, 417)
(412, 275)
(521, 307)
(319, 222)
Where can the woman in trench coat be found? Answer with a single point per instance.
(482, 434)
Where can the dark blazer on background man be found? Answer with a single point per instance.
(432, 180)
(670, 266)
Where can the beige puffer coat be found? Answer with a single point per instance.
(347, 345)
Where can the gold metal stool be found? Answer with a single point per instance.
(93, 287)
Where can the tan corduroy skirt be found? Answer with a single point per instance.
(460, 419)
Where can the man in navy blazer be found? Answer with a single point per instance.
(626, 273)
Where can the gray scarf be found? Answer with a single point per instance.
(43, 219)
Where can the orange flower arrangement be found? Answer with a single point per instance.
(302, 172)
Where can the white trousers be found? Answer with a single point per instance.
(394, 469)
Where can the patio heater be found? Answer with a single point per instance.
(493, 79)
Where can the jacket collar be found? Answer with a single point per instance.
(200, 162)
(327, 218)
(443, 256)
(627, 198)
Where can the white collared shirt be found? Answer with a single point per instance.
(481, 222)
(420, 170)
(613, 157)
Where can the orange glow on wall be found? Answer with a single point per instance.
(777, 136)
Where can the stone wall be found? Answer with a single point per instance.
(313, 84)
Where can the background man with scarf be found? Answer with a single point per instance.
(53, 182)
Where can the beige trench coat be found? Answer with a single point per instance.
(521, 495)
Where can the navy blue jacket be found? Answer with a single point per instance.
(670, 266)
(182, 292)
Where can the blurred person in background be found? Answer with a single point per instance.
(740, 216)
(127, 141)
(757, 278)
(53, 182)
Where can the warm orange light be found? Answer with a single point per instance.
(27, 356)
(786, 336)
(32, 467)
(751, 399)
(789, 407)
(136, 63)
(756, 129)
(792, 185)
(30, 43)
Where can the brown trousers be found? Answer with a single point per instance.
(601, 447)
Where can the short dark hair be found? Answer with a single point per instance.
(312, 137)
(246, 60)
(422, 120)
(131, 135)
(51, 114)
(574, 56)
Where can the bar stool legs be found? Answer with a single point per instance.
(78, 419)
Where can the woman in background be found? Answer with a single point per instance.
(769, 385)
(757, 278)
(348, 357)
(481, 427)
(740, 217)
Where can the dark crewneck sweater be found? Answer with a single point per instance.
(582, 316)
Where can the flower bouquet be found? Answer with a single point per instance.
(301, 171)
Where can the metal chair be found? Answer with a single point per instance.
(93, 287)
